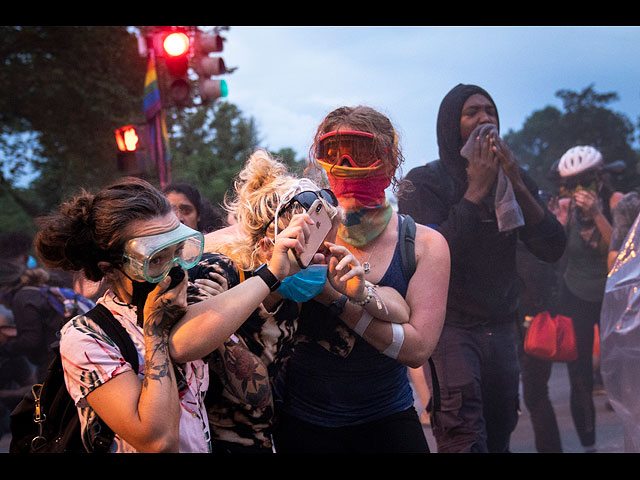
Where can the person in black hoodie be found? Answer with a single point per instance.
(476, 357)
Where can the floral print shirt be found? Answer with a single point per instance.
(90, 359)
(240, 401)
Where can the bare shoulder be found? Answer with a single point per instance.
(431, 244)
(212, 239)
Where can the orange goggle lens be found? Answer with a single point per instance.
(348, 148)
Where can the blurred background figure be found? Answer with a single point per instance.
(193, 210)
(619, 322)
(584, 209)
(16, 373)
(34, 318)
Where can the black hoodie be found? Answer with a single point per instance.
(484, 285)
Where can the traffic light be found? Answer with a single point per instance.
(205, 66)
(174, 47)
(127, 139)
(130, 159)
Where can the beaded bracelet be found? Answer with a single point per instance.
(370, 293)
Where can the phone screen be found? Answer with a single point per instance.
(319, 230)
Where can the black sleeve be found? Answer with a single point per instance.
(429, 201)
(546, 239)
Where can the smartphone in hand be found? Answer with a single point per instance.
(319, 230)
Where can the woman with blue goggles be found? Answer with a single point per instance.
(128, 235)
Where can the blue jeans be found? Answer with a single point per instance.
(478, 372)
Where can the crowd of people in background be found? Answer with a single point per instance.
(256, 352)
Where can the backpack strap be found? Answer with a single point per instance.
(101, 435)
(116, 332)
(408, 245)
(408, 254)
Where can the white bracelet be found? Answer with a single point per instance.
(393, 350)
(363, 323)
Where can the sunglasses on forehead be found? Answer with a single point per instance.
(360, 149)
(305, 199)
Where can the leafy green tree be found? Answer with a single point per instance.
(586, 120)
(70, 87)
(210, 145)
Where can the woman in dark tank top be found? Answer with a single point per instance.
(345, 388)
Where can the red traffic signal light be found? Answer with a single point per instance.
(173, 46)
(176, 44)
(175, 50)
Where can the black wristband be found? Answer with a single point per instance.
(337, 306)
(269, 278)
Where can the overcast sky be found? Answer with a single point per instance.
(289, 78)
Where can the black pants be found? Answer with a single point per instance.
(479, 374)
(535, 375)
(397, 433)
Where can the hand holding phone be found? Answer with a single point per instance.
(319, 230)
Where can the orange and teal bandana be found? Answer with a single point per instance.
(360, 227)
(361, 193)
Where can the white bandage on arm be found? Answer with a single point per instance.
(396, 344)
(363, 323)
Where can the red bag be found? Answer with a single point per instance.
(551, 338)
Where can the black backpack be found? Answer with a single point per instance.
(47, 421)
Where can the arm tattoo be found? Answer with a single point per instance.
(157, 361)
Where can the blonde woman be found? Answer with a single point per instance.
(240, 400)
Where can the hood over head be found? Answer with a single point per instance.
(448, 128)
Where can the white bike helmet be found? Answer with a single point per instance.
(579, 159)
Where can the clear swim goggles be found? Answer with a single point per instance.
(150, 258)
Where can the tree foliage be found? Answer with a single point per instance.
(548, 133)
(65, 89)
(210, 145)
(70, 87)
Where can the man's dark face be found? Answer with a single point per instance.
(477, 110)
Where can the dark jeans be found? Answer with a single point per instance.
(397, 433)
(536, 372)
(478, 372)
(535, 392)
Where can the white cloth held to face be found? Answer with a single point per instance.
(508, 212)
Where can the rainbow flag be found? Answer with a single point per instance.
(151, 103)
(156, 124)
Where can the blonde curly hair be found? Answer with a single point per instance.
(258, 188)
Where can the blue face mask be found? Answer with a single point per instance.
(305, 284)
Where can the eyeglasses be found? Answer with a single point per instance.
(359, 149)
(305, 199)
